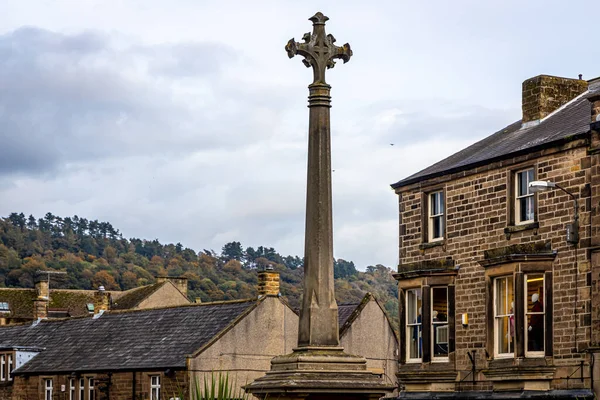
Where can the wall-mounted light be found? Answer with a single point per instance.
(465, 320)
(572, 228)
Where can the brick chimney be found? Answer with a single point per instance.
(179, 282)
(544, 94)
(268, 282)
(101, 300)
(42, 300)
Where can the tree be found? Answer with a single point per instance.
(232, 251)
(343, 268)
(103, 278)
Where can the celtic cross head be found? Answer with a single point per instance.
(318, 49)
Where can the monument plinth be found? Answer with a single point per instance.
(318, 368)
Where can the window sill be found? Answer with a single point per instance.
(520, 228)
(429, 245)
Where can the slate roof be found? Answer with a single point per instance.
(345, 310)
(67, 301)
(565, 123)
(133, 297)
(123, 340)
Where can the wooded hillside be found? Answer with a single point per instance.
(94, 253)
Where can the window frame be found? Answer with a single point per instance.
(10, 367)
(518, 264)
(3, 368)
(534, 354)
(155, 387)
(48, 389)
(81, 388)
(516, 197)
(72, 389)
(437, 324)
(508, 278)
(410, 325)
(91, 389)
(425, 283)
(431, 218)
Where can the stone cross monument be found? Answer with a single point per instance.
(319, 313)
(318, 368)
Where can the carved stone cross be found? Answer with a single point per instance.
(318, 49)
(319, 313)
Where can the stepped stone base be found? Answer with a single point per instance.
(315, 373)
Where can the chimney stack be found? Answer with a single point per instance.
(42, 300)
(544, 94)
(101, 300)
(179, 282)
(268, 282)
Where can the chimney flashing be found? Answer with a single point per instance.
(545, 95)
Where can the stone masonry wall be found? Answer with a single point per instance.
(477, 212)
(32, 388)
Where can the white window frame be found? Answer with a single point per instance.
(541, 353)
(72, 389)
(3, 367)
(431, 218)
(155, 387)
(410, 324)
(497, 317)
(518, 197)
(48, 388)
(81, 389)
(439, 324)
(91, 389)
(10, 367)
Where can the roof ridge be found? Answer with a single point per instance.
(214, 303)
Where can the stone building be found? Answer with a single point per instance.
(136, 353)
(25, 305)
(153, 353)
(366, 330)
(498, 284)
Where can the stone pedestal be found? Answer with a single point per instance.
(314, 373)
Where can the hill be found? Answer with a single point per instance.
(94, 253)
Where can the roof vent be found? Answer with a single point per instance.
(101, 288)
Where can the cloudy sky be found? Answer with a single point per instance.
(184, 120)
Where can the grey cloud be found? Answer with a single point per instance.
(69, 98)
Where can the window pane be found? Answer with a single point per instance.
(501, 296)
(535, 312)
(440, 340)
(529, 212)
(521, 184)
(439, 304)
(529, 178)
(535, 332)
(437, 227)
(415, 342)
(414, 306)
(433, 204)
(535, 293)
(505, 334)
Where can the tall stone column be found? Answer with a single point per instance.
(318, 368)
(319, 313)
